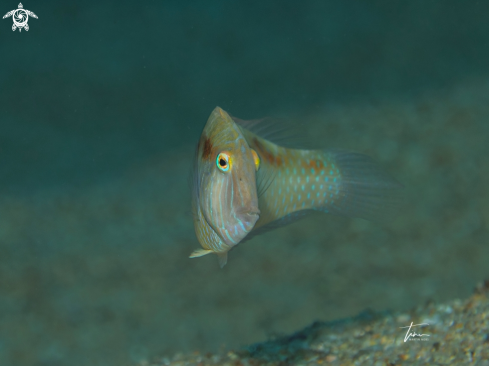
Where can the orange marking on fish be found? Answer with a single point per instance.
(206, 153)
(278, 160)
(318, 164)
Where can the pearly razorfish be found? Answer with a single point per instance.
(244, 185)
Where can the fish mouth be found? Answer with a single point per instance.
(250, 218)
(251, 211)
(238, 229)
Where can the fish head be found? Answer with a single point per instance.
(226, 183)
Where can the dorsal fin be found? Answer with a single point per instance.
(281, 132)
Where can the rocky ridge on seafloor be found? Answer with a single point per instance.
(457, 334)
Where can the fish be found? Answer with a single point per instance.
(245, 184)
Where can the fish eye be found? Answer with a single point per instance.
(256, 158)
(223, 161)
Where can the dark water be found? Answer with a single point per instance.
(101, 106)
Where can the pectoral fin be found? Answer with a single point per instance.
(223, 259)
(199, 253)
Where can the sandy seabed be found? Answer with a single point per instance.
(453, 333)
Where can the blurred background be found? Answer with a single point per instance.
(102, 104)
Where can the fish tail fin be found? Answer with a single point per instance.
(223, 259)
(365, 190)
(200, 252)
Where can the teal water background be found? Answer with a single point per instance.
(101, 105)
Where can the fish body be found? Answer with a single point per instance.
(303, 180)
(268, 186)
